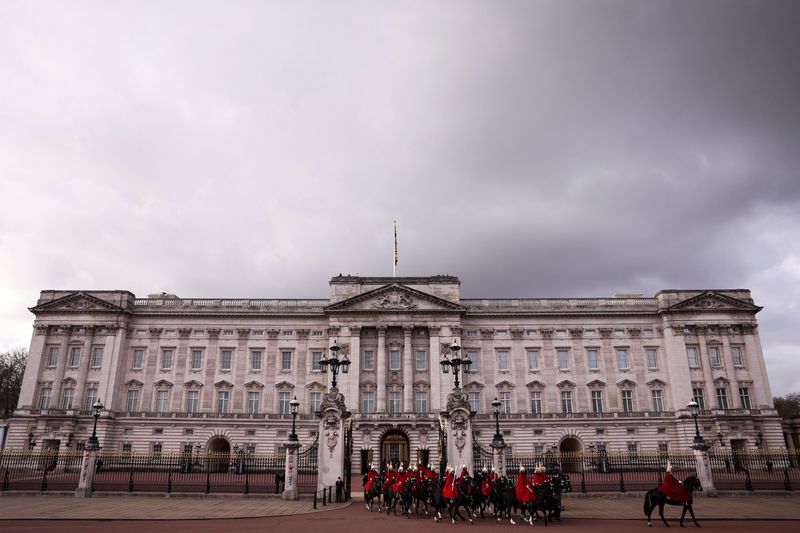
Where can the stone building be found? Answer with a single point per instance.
(575, 373)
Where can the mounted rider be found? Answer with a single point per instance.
(399, 479)
(371, 475)
(486, 482)
(540, 476)
(389, 479)
(673, 489)
(449, 489)
(524, 489)
(493, 476)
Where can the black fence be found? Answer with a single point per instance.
(734, 469)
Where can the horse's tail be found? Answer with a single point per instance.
(648, 506)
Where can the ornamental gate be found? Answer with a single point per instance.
(307, 467)
(481, 457)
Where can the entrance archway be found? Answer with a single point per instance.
(394, 447)
(570, 449)
(219, 452)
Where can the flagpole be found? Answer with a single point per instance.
(394, 259)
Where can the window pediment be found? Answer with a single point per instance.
(284, 385)
(504, 385)
(253, 384)
(656, 383)
(134, 383)
(222, 384)
(535, 384)
(626, 383)
(566, 384)
(596, 384)
(192, 383)
(162, 383)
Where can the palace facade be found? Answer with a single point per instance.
(574, 373)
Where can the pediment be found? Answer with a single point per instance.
(253, 384)
(596, 383)
(134, 383)
(315, 385)
(721, 380)
(535, 384)
(223, 384)
(420, 383)
(163, 383)
(193, 383)
(474, 385)
(504, 385)
(712, 301)
(394, 298)
(77, 302)
(566, 384)
(284, 385)
(368, 383)
(656, 383)
(69, 381)
(626, 383)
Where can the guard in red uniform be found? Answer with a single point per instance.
(371, 475)
(390, 475)
(399, 479)
(540, 476)
(449, 489)
(493, 476)
(463, 473)
(673, 489)
(486, 484)
(524, 489)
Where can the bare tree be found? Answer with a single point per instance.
(12, 367)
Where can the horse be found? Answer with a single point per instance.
(462, 499)
(655, 498)
(375, 492)
(424, 493)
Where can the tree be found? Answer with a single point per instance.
(12, 367)
(788, 406)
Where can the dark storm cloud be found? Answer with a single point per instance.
(532, 148)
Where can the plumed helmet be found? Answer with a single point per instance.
(669, 466)
(400, 469)
(391, 468)
(485, 469)
(430, 465)
(521, 468)
(415, 469)
(463, 466)
(375, 468)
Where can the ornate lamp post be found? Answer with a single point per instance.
(334, 363)
(97, 408)
(294, 404)
(455, 362)
(497, 441)
(694, 408)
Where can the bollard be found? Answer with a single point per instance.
(748, 483)
(130, 482)
(787, 483)
(247, 483)
(169, 483)
(6, 482)
(315, 500)
(583, 483)
(208, 482)
(44, 480)
(621, 482)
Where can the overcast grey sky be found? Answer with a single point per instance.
(533, 148)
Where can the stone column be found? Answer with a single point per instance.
(83, 372)
(290, 491)
(36, 363)
(353, 383)
(704, 470)
(61, 367)
(408, 372)
(499, 457)
(380, 369)
(333, 413)
(434, 369)
(88, 467)
(459, 430)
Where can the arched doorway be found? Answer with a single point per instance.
(394, 447)
(218, 452)
(570, 449)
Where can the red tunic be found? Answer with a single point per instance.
(449, 491)
(540, 478)
(486, 487)
(525, 492)
(390, 475)
(673, 489)
(398, 481)
(493, 476)
(370, 478)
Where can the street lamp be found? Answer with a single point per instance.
(97, 408)
(721, 439)
(334, 363)
(497, 441)
(455, 361)
(294, 404)
(694, 408)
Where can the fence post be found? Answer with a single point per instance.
(6, 481)
(247, 483)
(315, 499)
(290, 491)
(748, 483)
(88, 469)
(208, 482)
(130, 482)
(169, 482)
(703, 467)
(621, 482)
(44, 480)
(583, 482)
(787, 483)
(324, 495)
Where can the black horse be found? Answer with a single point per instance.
(655, 498)
(374, 493)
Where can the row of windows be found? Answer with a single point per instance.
(74, 356)
(698, 395)
(564, 359)
(395, 359)
(226, 357)
(228, 333)
(714, 356)
(589, 332)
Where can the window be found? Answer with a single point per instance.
(166, 359)
(627, 401)
(713, 354)
(97, 357)
(472, 355)
(157, 450)
(91, 397)
(663, 446)
(394, 359)
(394, 401)
(474, 401)
(597, 401)
(197, 359)
(162, 401)
(699, 397)
(316, 357)
(691, 353)
(52, 357)
(421, 360)
(369, 360)
(736, 352)
(227, 333)
(66, 398)
(225, 359)
(658, 400)
(531, 333)
(505, 402)
(622, 359)
(255, 359)
(563, 359)
(566, 401)
(421, 402)
(74, 356)
(223, 398)
(536, 402)
(502, 360)
(594, 361)
(133, 400)
(652, 360)
(744, 397)
(286, 360)
(472, 333)
(501, 333)
(632, 448)
(44, 398)
(367, 402)
(127, 447)
(561, 333)
(722, 397)
(138, 357)
(314, 401)
(192, 401)
(283, 403)
(533, 359)
(253, 401)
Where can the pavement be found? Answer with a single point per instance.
(780, 506)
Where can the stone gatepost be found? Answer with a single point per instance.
(88, 468)
(458, 423)
(704, 469)
(499, 457)
(333, 413)
(290, 491)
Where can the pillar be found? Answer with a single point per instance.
(459, 430)
(290, 491)
(499, 458)
(333, 413)
(408, 371)
(704, 469)
(434, 369)
(381, 369)
(88, 467)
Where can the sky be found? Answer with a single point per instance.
(532, 148)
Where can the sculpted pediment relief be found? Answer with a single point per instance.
(77, 302)
(656, 383)
(714, 302)
(133, 383)
(315, 385)
(163, 383)
(253, 384)
(595, 383)
(395, 298)
(626, 383)
(223, 384)
(193, 383)
(566, 384)
(505, 385)
(535, 384)
(284, 385)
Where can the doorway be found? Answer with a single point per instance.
(366, 460)
(218, 454)
(570, 449)
(394, 448)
